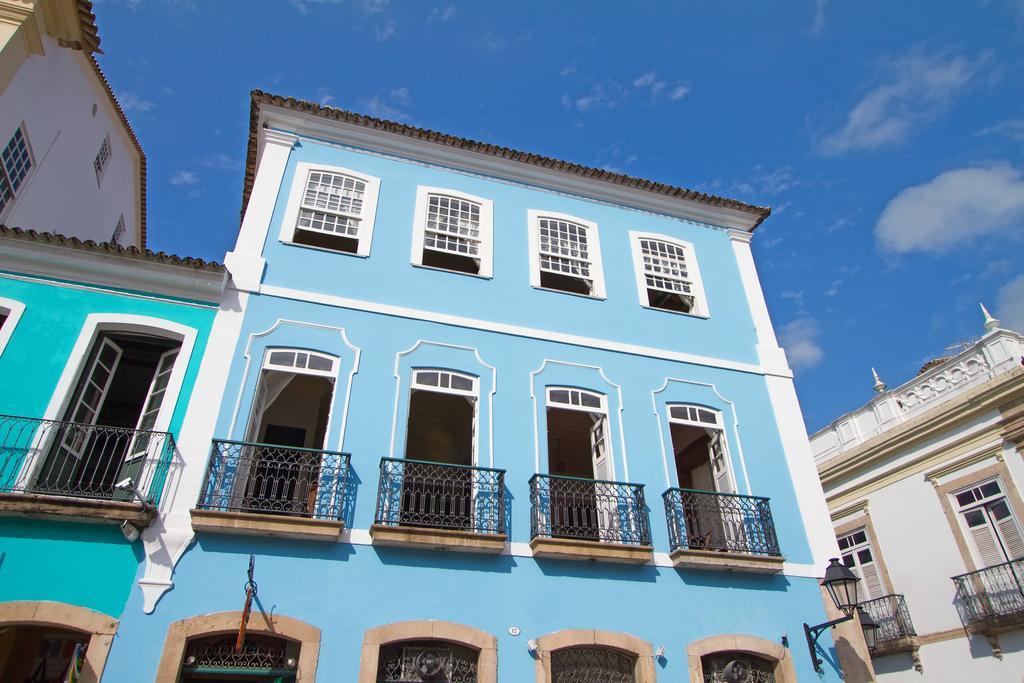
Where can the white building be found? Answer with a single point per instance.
(69, 161)
(924, 488)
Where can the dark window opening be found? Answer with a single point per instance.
(448, 261)
(565, 283)
(312, 238)
(669, 301)
(38, 654)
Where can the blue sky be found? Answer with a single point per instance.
(887, 136)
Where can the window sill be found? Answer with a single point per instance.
(599, 551)
(437, 539)
(562, 291)
(699, 316)
(256, 524)
(717, 560)
(67, 508)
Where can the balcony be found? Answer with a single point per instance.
(587, 519)
(709, 530)
(991, 600)
(56, 469)
(268, 490)
(895, 629)
(440, 506)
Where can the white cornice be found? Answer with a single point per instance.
(110, 270)
(384, 142)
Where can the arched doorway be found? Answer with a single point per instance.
(40, 640)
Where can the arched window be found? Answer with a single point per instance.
(565, 254)
(452, 231)
(667, 275)
(726, 667)
(331, 208)
(763, 661)
(587, 656)
(262, 657)
(427, 660)
(592, 665)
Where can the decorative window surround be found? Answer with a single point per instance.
(670, 275)
(10, 314)
(16, 165)
(361, 221)
(785, 672)
(862, 520)
(622, 642)
(460, 241)
(100, 627)
(179, 633)
(586, 261)
(484, 643)
(102, 160)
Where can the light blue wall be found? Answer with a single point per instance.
(387, 276)
(90, 565)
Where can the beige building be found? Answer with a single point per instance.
(924, 484)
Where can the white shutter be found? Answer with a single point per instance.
(92, 393)
(986, 544)
(720, 465)
(599, 450)
(1013, 540)
(154, 401)
(872, 581)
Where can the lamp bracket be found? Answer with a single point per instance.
(814, 632)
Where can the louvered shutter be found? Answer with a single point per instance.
(872, 583)
(986, 544)
(1013, 540)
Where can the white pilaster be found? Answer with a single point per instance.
(772, 358)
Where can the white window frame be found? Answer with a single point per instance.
(419, 228)
(289, 225)
(13, 310)
(473, 394)
(719, 426)
(101, 169)
(603, 408)
(854, 549)
(32, 169)
(983, 504)
(593, 247)
(331, 372)
(700, 302)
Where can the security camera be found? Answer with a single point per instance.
(126, 485)
(130, 531)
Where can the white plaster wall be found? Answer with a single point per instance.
(958, 661)
(53, 95)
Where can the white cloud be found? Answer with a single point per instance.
(768, 183)
(954, 208)
(605, 94)
(183, 178)
(916, 88)
(659, 87)
(391, 105)
(800, 340)
(385, 31)
(833, 289)
(442, 13)
(567, 71)
(132, 102)
(678, 93)
(1013, 128)
(220, 162)
(818, 21)
(1010, 304)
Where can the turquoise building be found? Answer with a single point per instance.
(99, 350)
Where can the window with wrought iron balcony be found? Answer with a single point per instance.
(578, 512)
(435, 496)
(710, 526)
(102, 459)
(280, 481)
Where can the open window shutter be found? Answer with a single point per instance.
(270, 385)
(90, 395)
(872, 583)
(599, 449)
(720, 465)
(154, 401)
(986, 544)
(1013, 540)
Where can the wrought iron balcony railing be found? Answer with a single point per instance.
(588, 510)
(275, 480)
(892, 616)
(57, 458)
(440, 496)
(992, 597)
(729, 522)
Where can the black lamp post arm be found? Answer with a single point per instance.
(814, 632)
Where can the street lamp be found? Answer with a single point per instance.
(841, 585)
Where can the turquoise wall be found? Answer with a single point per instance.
(90, 565)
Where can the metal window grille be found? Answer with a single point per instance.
(258, 652)
(332, 203)
(16, 162)
(665, 267)
(563, 248)
(706, 520)
(416, 661)
(81, 460)
(102, 157)
(992, 597)
(440, 496)
(276, 480)
(588, 509)
(716, 667)
(453, 225)
(118, 231)
(892, 616)
(592, 665)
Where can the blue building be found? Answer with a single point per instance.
(480, 414)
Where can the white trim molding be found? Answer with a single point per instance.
(770, 355)
(700, 302)
(593, 250)
(367, 217)
(13, 309)
(485, 237)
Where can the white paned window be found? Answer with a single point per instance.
(301, 361)
(565, 254)
(575, 398)
(698, 416)
(452, 231)
(859, 556)
(102, 159)
(331, 208)
(15, 164)
(667, 275)
(445, 381)
(994, 530)
(119, 230)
